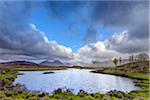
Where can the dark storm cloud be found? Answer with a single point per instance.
(90, 35)
(122, 15)
(62, 9)
(125, 15)
(130, 15)
(127, 45)
(15, 31)
(13, 18)
(19, 37)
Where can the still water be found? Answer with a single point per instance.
(75, 80)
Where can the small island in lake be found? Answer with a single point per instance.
(48, 73)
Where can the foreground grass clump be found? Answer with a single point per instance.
(6, 80)
(138, 71)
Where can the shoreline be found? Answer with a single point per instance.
(142, 82)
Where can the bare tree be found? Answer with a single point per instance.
(129, 58)
(132, 58)
(115, 61)
(142, 57)
(120, 60)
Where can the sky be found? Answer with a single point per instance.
(78, 32)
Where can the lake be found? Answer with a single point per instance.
(75, 80)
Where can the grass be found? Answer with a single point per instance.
(139, 76)
(134, 71)
(142, 80)
(32, 68)
(39, 69)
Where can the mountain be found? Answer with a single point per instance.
(18, 63)
(51, 63)
(54, 63)
(44, 63)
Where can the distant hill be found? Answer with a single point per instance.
(54, 63)
(135, 67)
(107, 63)
(28, 63)
(51, 63)
(18, 63)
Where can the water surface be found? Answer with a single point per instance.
(75, 80)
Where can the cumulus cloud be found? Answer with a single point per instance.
(118, 45)
(131, 16)
(19, 38)
(95, 52)
(122, 43)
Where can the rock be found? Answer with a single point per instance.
(2, 83)
(59, 90)
(82, 92)
(19, 88)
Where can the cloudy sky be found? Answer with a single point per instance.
(73, 31)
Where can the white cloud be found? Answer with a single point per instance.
(99, 51)
(119, 37)
(32, 42)
(121, 42)
(19, 39)
(94, 52)
(46, 39)
(52, 48)
(37, 46)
